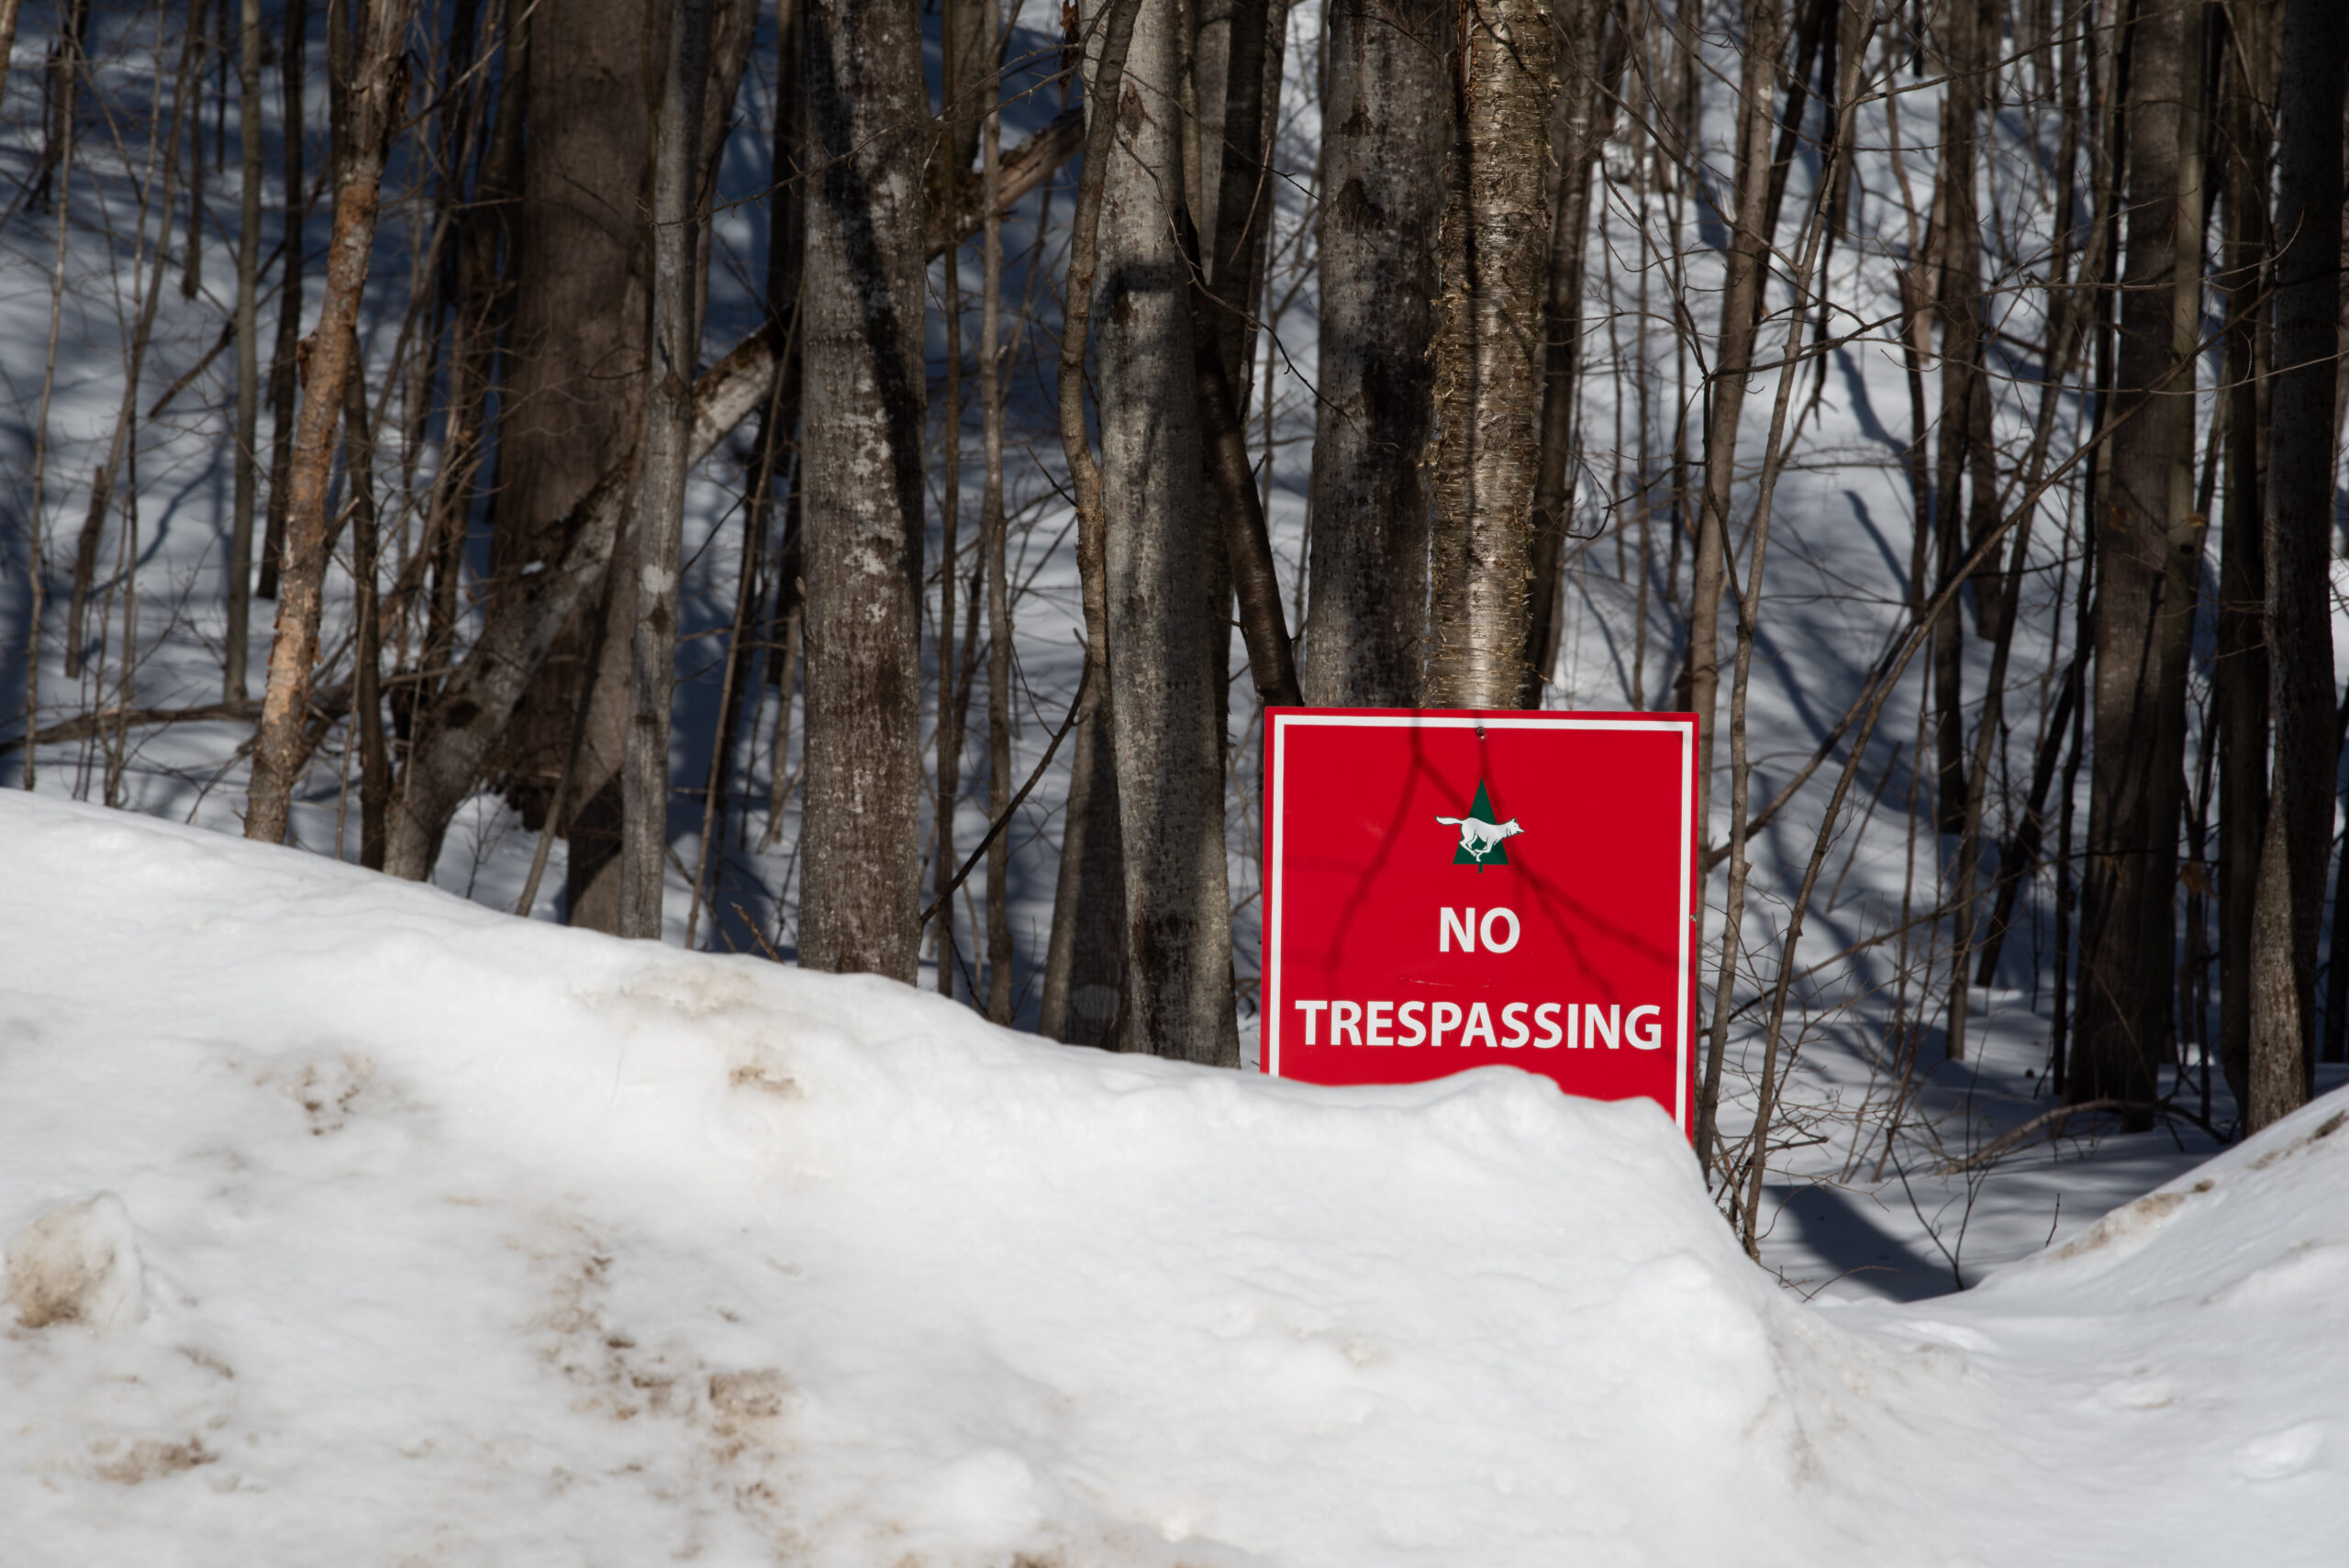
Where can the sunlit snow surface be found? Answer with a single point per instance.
(457, 1239)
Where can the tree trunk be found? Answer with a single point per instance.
(2288, 902)
(1084, 1000)
(1165, 596)
(1589, 73)
(2238, 674)
(293, 66)
(2145, 544)
(992, 532)
(862, 468)
(1388, 129)
(375, 97)
(1488, 358)
(1733, 360)
(673, 336)
(1092, 787)
(240, 523)
(453, 735)
(8, 38)
(574, 382)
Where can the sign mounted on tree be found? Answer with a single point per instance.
(1448, 890)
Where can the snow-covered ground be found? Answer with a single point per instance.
(362, 1224)
(443, 1214)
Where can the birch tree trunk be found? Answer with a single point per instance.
(1386, 131)
(374, 99)
(2128, 925)
(1489, 367)
(2288, 902)
(862, 466)
(673, 336)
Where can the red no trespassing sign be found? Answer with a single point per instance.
(1448, 890)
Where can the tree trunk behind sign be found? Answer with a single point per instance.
(2288, 903)
(1165, 595)
(861, 463)
(1488, 358)
(1388, 129)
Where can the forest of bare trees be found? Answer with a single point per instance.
(849, 473)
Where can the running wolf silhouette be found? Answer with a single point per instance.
(1481, 837)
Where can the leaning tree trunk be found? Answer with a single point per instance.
(375, 98)
(2298, 527)
(1166, 605)
(861, 462)
(674, 335)
(1488, 368)
(1387, 129)
(2143, 549)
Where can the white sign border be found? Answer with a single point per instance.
(1377, 718)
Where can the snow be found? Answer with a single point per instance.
(435, 1236)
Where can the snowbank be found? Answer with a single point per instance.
(410, 1232)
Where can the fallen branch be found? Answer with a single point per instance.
(2015, 1136)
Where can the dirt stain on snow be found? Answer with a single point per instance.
(129, 1465)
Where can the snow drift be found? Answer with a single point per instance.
(396, 1231)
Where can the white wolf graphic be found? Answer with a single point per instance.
(1481, 837)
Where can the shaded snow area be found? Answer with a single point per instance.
(351, 1222)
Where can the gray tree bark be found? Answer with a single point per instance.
(1166, 601)
(2288, 903)
(2145, 553)
(674, 334)
(1386, 131)
(1489, 357)
(2238, 674)
(861, 467)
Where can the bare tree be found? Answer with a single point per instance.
(862, 466)
(1487, 356)
(2146, 546)
(2298, 518)
(674, 336)
(243, 458)
(2238, 674)
(1165, 596)
(374, 98)
(1387, 131)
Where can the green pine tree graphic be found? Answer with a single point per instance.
(1483, 810)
